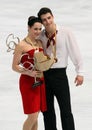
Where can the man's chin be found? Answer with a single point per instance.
(48, 27)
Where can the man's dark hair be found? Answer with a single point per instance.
(44, 10)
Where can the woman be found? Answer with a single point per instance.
(33, 99)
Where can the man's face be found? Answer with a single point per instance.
(47, 20)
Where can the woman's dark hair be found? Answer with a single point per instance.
(44, 10)
(32, 20)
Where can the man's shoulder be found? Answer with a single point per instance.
(64, 28)
(42, 34)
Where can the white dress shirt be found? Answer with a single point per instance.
(66, 46)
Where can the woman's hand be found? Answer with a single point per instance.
(32, 73)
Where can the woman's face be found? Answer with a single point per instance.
(35, 30)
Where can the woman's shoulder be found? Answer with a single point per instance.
(20, 45)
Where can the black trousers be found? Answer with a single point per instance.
(57, 85)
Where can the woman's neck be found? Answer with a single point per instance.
(31, 40)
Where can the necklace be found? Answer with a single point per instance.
(33, 44)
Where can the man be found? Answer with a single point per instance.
(56, 79)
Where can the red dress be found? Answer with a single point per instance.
(33, 99)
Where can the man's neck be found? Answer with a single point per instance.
(51, 30)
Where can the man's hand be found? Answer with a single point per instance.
(78, 80)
